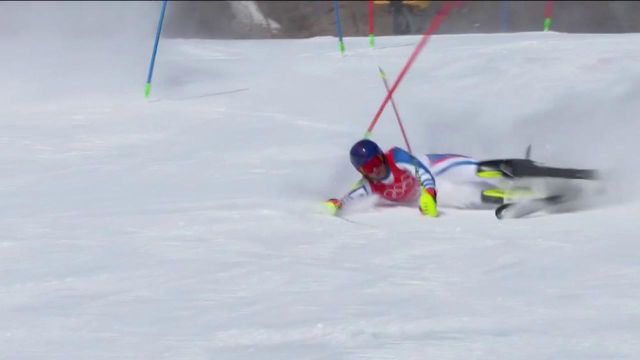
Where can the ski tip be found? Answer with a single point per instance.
(500, 211)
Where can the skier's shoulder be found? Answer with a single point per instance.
(447, 157)
(399, 154)
(402, 156)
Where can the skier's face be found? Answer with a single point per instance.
(375, 169)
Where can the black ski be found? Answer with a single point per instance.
(523, 208)
(519, 168)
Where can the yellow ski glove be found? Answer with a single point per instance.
(428, 202)
(333, 205)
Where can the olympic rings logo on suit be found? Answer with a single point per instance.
(398, 190)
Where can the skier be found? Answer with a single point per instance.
(397, 176)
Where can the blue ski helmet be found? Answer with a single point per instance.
(363, 151)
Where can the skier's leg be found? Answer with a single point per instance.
(457, 183)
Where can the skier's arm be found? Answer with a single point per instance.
(360, 189)
(409, 162)
(428, 195)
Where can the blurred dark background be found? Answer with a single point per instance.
(301, 19)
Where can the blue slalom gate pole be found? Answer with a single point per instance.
(147, 88)
(336, 9)
(504, 16)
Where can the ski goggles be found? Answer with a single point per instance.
(372, 166)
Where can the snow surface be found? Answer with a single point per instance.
(189, 226)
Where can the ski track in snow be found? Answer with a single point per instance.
(193, 229)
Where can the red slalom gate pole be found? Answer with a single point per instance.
(548, 14)
(383, 75)
(442, 14)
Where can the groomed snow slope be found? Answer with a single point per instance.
(190, 227)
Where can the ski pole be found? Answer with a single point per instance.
(147, 88)
(442, 14)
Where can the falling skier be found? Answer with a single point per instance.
(448, 180)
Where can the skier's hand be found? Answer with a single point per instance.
(333, 205)
(428, 202)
